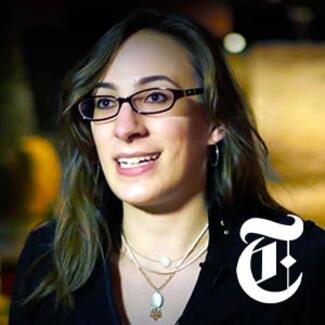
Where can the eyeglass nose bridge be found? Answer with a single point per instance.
(122, 100)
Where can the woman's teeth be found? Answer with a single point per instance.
(136, 161)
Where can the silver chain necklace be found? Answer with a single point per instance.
(157, 299)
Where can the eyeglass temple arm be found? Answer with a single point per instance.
(188, 92)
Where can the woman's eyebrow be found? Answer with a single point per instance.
(149, 79)
(140, 82)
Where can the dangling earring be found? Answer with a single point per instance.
(215, 163)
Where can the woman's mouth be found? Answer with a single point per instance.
(137, 161)
(133, 166)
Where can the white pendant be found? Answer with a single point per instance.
(157, 300)
(165, 261)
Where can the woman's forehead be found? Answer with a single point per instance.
(149, 53)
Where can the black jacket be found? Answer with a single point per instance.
(217, 297)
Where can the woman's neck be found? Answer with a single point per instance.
(164, 234)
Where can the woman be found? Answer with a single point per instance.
(164, 180)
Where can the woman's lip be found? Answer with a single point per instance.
(136, 154)
(135, 171)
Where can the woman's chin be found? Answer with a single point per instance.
(138, 198)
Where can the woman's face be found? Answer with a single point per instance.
(180, 135)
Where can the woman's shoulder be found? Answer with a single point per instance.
(39, 242)
(312, 243)
(44, 230)
(40, 238)
(38, 245)
(311, 236)
(313, 230)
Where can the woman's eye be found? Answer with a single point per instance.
(156, 98)
(105, 103)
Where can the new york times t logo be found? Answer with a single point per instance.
(269, 258)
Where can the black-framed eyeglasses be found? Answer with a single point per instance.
(148, 101)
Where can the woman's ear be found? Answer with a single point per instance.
(216, 134)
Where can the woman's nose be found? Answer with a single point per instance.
(129, 123)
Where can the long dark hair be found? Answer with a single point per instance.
(88, 214)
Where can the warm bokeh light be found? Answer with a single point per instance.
(45, 173)
(286, 86)
(216, 17)
(234, 42)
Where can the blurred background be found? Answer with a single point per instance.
(275, 48)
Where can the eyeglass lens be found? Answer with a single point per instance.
(147, 101)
